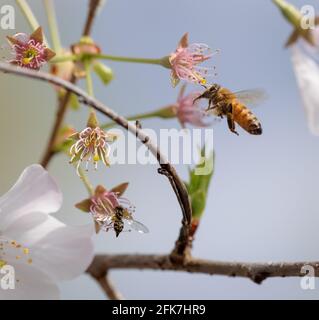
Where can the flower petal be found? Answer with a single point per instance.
(35, 191)
(30, 284)
(183, 42)
(307, 74)
(37, 35)
(120, 189)
(64, 252)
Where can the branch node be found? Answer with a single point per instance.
(259, 277)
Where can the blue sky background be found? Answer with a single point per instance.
(263, 201)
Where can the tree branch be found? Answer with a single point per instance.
(257, 272)
(166, 168)
(111, 292)
(93, 7)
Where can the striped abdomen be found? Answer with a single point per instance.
(246, 119)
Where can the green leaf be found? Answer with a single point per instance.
(198, 184)
(198, 200)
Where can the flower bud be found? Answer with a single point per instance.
(104, 72)
(290, 12)
(86, 45)
(92, 121)
(167, 112)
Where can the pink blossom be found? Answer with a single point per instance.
(188, 111)
(185, 60)
(29, 51)
(104, 204)
(111, 211)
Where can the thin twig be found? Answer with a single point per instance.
(257, 272)
(62, 109)
(166, 168)
(93, 7)
(63, 103)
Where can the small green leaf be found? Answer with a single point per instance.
(198, 200)
(198, 184)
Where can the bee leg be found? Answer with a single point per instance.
(211, 105)
(231, 123)
(198, 98)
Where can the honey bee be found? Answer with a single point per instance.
(116, 222)
(222, 102)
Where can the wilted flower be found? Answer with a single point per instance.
(41, 249)
(110, 209)
(185, 60)
(92, 144)
(29, 51)
(103, 203)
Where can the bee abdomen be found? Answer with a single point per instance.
(246, 119)
(118, 227)
(255, 128)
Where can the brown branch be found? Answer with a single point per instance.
(62, 109)
(166, 168)
(93, 7)
(257, 272)
(107, 286)
(63, 102)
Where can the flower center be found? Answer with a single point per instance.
(29, 55)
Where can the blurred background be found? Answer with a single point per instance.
(262, 202)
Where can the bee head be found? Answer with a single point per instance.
(214, 88)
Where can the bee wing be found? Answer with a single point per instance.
(252, 97)
(137, 226)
